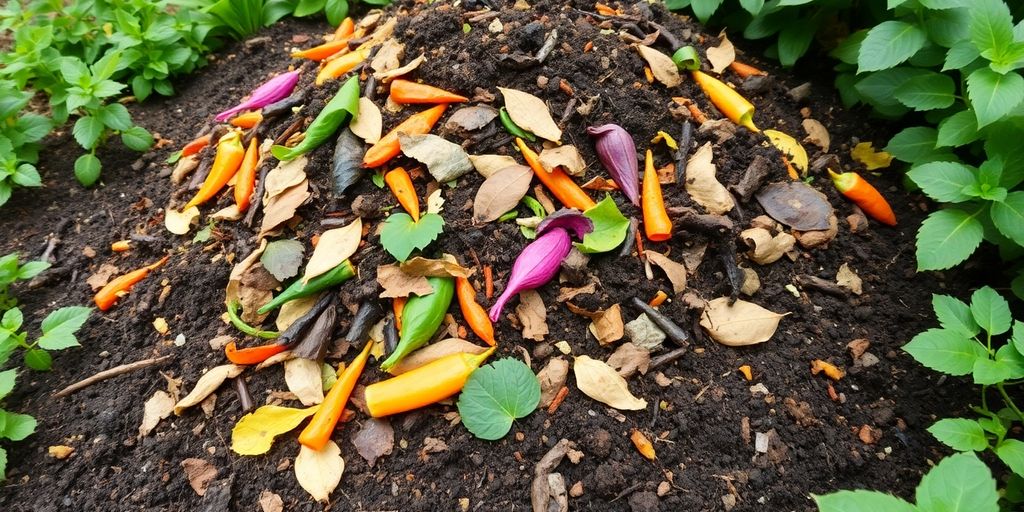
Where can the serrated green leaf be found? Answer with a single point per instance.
(945, 351)
(497, 394)
(946, 238)
(876, 88)
(794, 40)
(958, 482)
(115, 116)
(992, 95)
(1008, 216)
(888, 44)
(861, 501)
(38, 359)
(960, 55)
(31, 269)
(943, 181)
(60, 326)
(137, 138)
(991, 311)
(912, 144)
(987, 372)
(957, 130)
(283, 258)
(1011, 452)
(1008, 355)
(991, 25)
(960, 434)
(87, 131)
(1017, 338)
(927, 92)
(27, 176)
(87, 169)
(401, 235)
(944, 4)
(955, 315)
(18, 427)
(610, 227)
(7, 380)
(947, 27)
(849, 48)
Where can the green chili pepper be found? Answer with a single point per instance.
(297, 290)
(686, 58)
(421, 317)
(534, 206)
(512, 128)
(508, 216)
(344, 105)
(246, 328)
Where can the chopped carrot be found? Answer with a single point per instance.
(398, 305)
(247, 120)
(338, 67)
(400, 183)
(388, 147)
(657, 225)
(745, 70)
(747, 372)
(557, 181)
(658, 299)
(345, 29)
(642, 444)
(488, 282)
(405, 91)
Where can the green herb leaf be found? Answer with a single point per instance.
(960, 55)
(987, 372)
(38, 359)
(958, 482)
(960, 434)
(889, 44)
(927, 92)
(137, 138)
(943, 181)
(87, 169)
(282, 258)
(993, 95)
(991, 25)
(3, 462)
(1011, 452)
(703, 9)
(955, 315)
(914, 144)
(861, 501)
(87, 131)
(1018, 336)
(991, 311)
(18, 427)
(60, 326)
(794, 40)
(497, 394)
(1008, 216)
(401, 235)
(610, 227)
(115, 116)
(958, 129)
(946, 238)
(1009, 356)
(12, 320)
(7, 379)
(378, 179)
(945, 351)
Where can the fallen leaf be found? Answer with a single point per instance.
(751, 282)
(693, 256)
(722, 55)
(469, 119)
(389, 56)
(644, 333)
(334, 247)
(179, 223)
(435, 202)
(765, 248)
(388, 76)
(600, 183)
(532, 315)
(817, 134)
(158, 407)
(665, 71)
(286, 175)
(275, 359)
(399, 284)
(702, 185)
(369, 124)
(743, 323)
(602, 383)
(270, 502)
(303, 378)
(254, 434)
(199, 473)
(282, 258)
(628, 359)
(293, 310)
(487, 165)
(102, 276)
(531, 114)
(642, 444)
(552, 378)
(207, 384)
(565, 294)
(319, 472)
(229, 213)
(567, 157)
(676, 272)
(447, 266)
(865, 153)
(281, 208)
(184, 167)
(849, 279)
(666, 174)
(789, 147)
(606, 325)
(831, 371)
(501, 192)
(818, 238)
(797, 205)
(445, 160)
(433, 352)
(374, 440)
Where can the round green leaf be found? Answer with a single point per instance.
(115, 116)
(38, 359)
(137, 138)
(1011, 452)
(861, 501)
(958, 482)
(610, 227)
(497, 394)
(18, 427)
(960, 434)
(87, 169)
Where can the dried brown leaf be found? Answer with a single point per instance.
(303, 378)
(567, 157)
(199, 473)
(281, 208)
(293, 310)
(469, 119)
(158, 407)
(600, 183)
(207, 384)
(102, 276)
(743, 323)
(445, 160)
(179, 223)
(447, 266)
(602, 383)
(369, 124)
(389, 56)
(334, 247)
(532, 315)
(319, 472)
(664, 69)
(628, 359)
(702, 185)
(849, 279)
(765, 248)
(676, 272)
(270, 502)
(796, 204)
(374, 440)
(399, 284)
(552, 378)
(817, 134)
(286, 175)
(722, 55)
(388, 76)
(501, 192)
(531, 114)
(487, 165)
(606, 325)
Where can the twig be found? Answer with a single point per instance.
(683, 153)
(821, 285)
(244, 398)
(667, 358)
(257, 201)
(673, 42)
(54, 239)
(625, 492)
(113, 372)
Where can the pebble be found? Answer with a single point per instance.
(576, 490)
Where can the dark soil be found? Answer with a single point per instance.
(697, 420)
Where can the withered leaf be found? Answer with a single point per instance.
(531, 114)
(849, 279)
(501, 192)
(767, 249)
(722, 55)
(702, 185)
(606, 325)
(676, 272)
(817, 134)
(281, 208)
(293, 310)
(628, 359)
(445, 160)
(399, 284)
(661, 65)
(487, 165)
(199, 473)
(284, 176)
(207, 384)
(388, 76)
(158, 407)
(102, 276)
(567, 157)
(532, 315)
(334, 247)
(447, 266)
(179, 223)
(602, 383)
(790, 148)
(303, 378)
(369, 123)
(374, 440)
(388, 57)
(282, 258)
(469, 119)
(743, 323)
(552, 378)
(796, 204)
(319, 472)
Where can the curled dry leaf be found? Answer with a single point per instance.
(435, 351)
(552, 378)
(676, 272)
(817, 134)
(388, 57)
(501, 192)
(199, 473)
(790, 148)
(399, 284)
(600, 183)
(334, 247)
(470, 119)
(797, 205)
(602, 383)
(693, 256)
(207, 384)
(765, 248)
(158, 407)
(369, 123)
(183, 168)
(319, 472)
(532, 315)
(254, 434)
(722, 55)
(435, 202)
(628, 359)
(702, 185)
(281, 208)
(303, 378)
(818, 238)
(661, 65)
(751, 282)
(374, 440)
(284, 176)
(743, 323)
(849, 279)
(229, 213)
(388, 76)
(531, 114)
(606, 325)
(447, 266)
(293, 310)
(487, 165)
(102, 276)
(445, 160)
(179, 223)
(567, 157)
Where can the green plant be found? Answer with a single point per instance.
(13, 426)
(20, 134)
(11, 271)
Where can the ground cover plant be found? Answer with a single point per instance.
(367, 213)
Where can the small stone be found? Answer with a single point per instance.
(664, 488)
(88, 252)
(542, 81)
(576, 490)
(866, 360)
(60, 452)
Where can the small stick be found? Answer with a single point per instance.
(667, 358)
(671, 39)
(627, 246)
(559, 398)
(625, 492)
(54, 239)
(671, 329)
(639, 244)
(257, 200)
(106, 374)
(821, 285)
(488, 282)
(683, 154)
(244, 398)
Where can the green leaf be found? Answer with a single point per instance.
(943, 181)
(948, 27)
(888, 44)
(927, 92)
(497, 394)
(1008, 216)
(861, 501)
(991, 311)
(794, 40)
(60, 326)
(946, 238)
(991, 25)
(336, 10)
(137, 138)
(752, 6)
(87, 169)
(282, 258)
(18, 427)
(1008, 355)
(610, 227)
(945, 351)
(26, 175)
(38, 359)
(987, 372)
(3, 463)
(1018, 336)
(115, 116)
(87, 131)
(954, 315)
(31, 269)
(401, 235)
(876, 88)
(307, 7)
(343, 106)
(960, 434)
(12, 319)
(7, 379)
(849, 48)
(958, 482)
(913, 144)
(957, 130)
(1011, 452)
(992, 95)
(944, 4)
(703, 9)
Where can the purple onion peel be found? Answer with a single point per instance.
(272, 90)
(617, 152)
(568, 219)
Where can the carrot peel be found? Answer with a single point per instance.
(557, 181)
(108, 295)
(400, 183)
(320, 428)
(657, 225)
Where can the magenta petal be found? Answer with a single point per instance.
(568, 219)
(535, 266)
(275, 89)
(617, 152)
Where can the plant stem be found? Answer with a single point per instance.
(984, 397)
(1009, 401)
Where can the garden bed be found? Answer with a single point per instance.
(702, 413)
